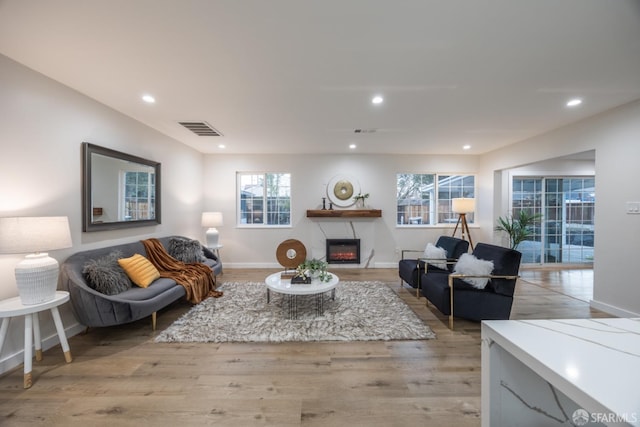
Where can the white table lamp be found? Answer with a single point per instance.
(37, 274)
(211, 220)
(462, 206)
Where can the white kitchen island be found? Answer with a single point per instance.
(583, 372)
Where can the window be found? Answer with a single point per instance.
(415, 193)
(453, 187)
(565, 233)
(138, 201)
(426, 198)
(264, 198)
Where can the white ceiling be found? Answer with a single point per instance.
(297, 76)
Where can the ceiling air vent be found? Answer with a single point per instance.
(201, 128)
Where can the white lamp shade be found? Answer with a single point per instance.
(463, 205)
(23, 235)
(37, 274)
(212, 219)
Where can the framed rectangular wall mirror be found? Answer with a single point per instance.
(119, 190)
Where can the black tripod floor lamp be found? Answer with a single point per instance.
(462, 206)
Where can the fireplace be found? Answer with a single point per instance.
(343, 251)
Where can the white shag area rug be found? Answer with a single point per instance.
(362, 311)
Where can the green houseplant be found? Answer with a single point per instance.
(518, 226)
(314, 268)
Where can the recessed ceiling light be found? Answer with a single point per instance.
(221, 146)
(352, 146)
(377, 99)
(574, 102)
(466, 147)
(148, 99)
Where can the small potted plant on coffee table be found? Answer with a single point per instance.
(311, 269)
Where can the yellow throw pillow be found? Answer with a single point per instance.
(140, 270)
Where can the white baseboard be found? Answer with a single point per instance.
(11, 361)
(611, 309)
(386, 265)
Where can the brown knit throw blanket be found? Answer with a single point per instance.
(197, 279)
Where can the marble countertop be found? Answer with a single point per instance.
(595, 362)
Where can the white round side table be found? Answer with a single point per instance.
(216, 249)
(13, 307)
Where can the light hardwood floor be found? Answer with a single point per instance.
(120, 377)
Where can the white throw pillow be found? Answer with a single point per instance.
(469, 264)
(433, 253)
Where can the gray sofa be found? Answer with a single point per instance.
(95, 309)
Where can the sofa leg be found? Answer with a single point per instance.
(154, 318)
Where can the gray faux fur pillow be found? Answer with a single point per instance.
(105, 274)
(186, 250)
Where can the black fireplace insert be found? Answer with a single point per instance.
(343, 251)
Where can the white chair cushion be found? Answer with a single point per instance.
(469, 264)
(433, 253)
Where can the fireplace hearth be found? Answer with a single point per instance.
(343, 251)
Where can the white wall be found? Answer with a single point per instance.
(42, 126)
(614, 136)
(556, 167)
(310, 174)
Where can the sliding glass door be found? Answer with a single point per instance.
(564, 234)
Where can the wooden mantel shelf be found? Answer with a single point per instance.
(344, 213)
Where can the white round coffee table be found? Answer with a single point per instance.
(291, 291)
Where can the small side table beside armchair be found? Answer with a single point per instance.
(13, 307)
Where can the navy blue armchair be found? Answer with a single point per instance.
(455, 297)
(410, 270)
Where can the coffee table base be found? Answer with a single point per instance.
(291, 292)
(291, 301)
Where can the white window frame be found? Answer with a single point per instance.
(239, 200)
(434, 201)
(122, 195)
(543, 175)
